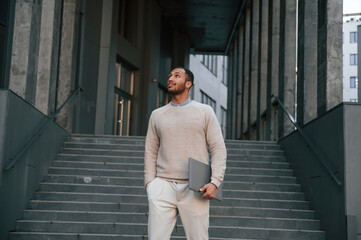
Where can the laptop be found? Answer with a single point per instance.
(199, 174)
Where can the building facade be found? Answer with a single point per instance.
(210, 84)
(118, 52)
(350, 63)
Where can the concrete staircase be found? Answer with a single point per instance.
(94, 191)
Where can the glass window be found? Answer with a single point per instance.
(353, 100)
(208, 100)
(353, 82)
(123, 99)
(353, 59)
(127, 19)
(210, 61)
(163, 96)
(353, 37)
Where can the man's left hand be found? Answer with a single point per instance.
(210, 191)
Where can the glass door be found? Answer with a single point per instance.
(123, 99)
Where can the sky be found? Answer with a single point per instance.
(351, 6)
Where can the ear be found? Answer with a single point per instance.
(188, 84)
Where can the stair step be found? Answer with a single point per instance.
(100, 158)
(270, 146)
(115, 152)
(99, 165)
(140, 174)
(125, 189)
(105, 146)
(107, 152)
(131, 145)
(94, 191)
(82, 137)
(254, 158)
(249, 152)
(133, 181)
(84, 236)
(259, 171)
(260, 178)
(141, 229)
(138, 217)
(259, 164)
(140, 168)
(269, 163)
(142, 198)
(143, 208)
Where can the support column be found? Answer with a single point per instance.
(230, 103)
(253, 86)
(25, 49)
(103, 67)
(240, 109)
(287, 67)
(67, 61)
(234, 87)
(273, 64)
(306, 67)
(329, 58)
(262, 73)
(247, 34)
(48, 56)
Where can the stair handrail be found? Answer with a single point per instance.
(315, 151)
(40, 131)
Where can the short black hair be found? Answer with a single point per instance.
(190, 76)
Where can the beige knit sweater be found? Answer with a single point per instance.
(178, 133)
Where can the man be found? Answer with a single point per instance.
(176, 132)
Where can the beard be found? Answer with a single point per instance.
(180, 90)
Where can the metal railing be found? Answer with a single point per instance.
(314, 150)
(40, 131)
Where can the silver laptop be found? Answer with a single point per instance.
(199, 174)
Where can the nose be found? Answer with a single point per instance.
(170, 79)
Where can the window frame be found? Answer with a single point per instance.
(353, 59)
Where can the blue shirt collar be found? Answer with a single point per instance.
(188, 101)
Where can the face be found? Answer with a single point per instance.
(177, 82)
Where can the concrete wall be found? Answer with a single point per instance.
(18, 122)
(352, 139)
(337, 135)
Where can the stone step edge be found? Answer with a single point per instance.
(142, 187)
(122, 150)
(111, 235)
(146, 214)
(145, 196)
(140, 164)
(145, 204)
(114, 156)
(138, 171)
(142, 158)
(142, 145)
(177, 225)
(141, 178)
(79, 135)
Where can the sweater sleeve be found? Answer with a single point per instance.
(151, 152)
(217, 148)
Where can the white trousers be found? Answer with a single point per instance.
(166, 199)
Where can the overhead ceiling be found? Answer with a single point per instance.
(208, 23)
